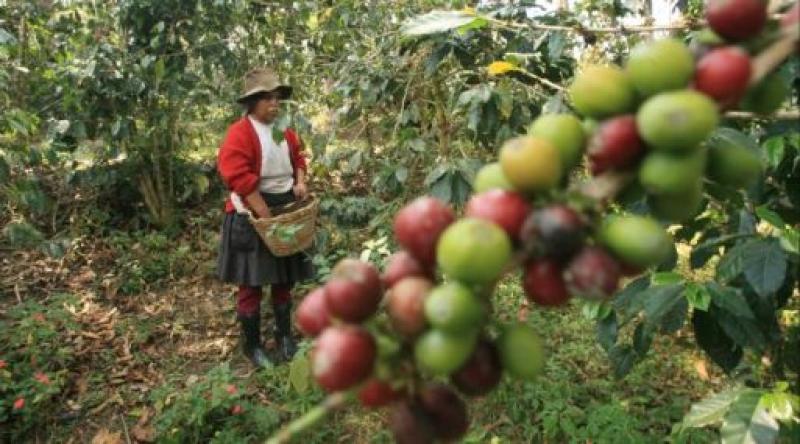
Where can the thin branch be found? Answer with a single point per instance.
(125, 428)
(621, 29)
(318, 413)
(780, 115)
(769, 59)
(402, 105)
(605, 186)
(601, 30)
(540, 79)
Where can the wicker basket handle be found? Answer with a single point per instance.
(283, 208)
(291, 206)
(250, 215)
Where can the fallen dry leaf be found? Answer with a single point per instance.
(702, 370)
(103, 436)
(143, 433)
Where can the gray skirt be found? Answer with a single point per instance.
(243, 258)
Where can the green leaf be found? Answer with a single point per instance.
(478, 23)
(775, 151)
(782, 406)
(353, 162)
(711, 410)
(713, 340)
(661, 300)
(5, 170)
(703, 252)
(300, 373)
(595, 310)
(401, 174)
(555, 105)
(730, 300)
(698, 296)
(436, 174)
(505, 104)
(743, 331)
(159, 69)
(748, 422)
(6, 37)
(666, 278)
(770, 216)
(443, 188)
(460, 187)
(388, 347)
(279, 127)
(607, 330)
(417, 145)
(436, 57)
(22, 234)
(725, 136)
(116, 127)
(790, 240)
(622, 358)
(474, 118)
(674, 319)
(747, 222)
(480, 94)
(731, 265)
(469, 167)
(642, 338)
(764, 264)
(629, 300)
(436, 22)
(55, 248)
(555, 45)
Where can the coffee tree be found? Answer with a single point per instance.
(660, 167)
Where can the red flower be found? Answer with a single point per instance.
(41, 377)
(231, 389)
(3, 364)
(38, 317)
(237, 409)
(19, 403)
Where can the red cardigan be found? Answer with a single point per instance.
(239, 158)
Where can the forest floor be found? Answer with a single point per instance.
(127, 362)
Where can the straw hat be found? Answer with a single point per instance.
(260, 80)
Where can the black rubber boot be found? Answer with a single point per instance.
(283, 331)
(251, 341)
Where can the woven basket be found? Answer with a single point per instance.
(290, 229)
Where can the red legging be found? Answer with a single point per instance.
(248, 299)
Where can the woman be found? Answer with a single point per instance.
(261, 173)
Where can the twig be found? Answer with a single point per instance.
(610, 29)
(621, 29)
(605, 186)
(779, 115)
(766, 61)
(313, 416)
(549, 83)
(402, 106)
(125, 429)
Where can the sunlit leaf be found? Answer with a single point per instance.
(437, 21)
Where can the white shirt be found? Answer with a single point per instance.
(277, 175)
(276, 166)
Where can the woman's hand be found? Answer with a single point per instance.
(257, 205)
(300, 191)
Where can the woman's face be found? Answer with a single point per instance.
(268, 107)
